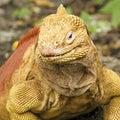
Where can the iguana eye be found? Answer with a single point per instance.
(70, 37)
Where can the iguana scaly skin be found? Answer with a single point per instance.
(56, 74)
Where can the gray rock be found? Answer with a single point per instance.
(58, 2)
(111, 63)
(9, 36)
(2, 11)
(20, 3)
(4, 2)
(6, 36)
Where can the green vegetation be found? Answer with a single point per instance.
(113, 8)
(97, 1)
(94, 26)
(38, 22)
(69, 10)
(22, 13)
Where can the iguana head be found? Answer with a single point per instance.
(62, 38)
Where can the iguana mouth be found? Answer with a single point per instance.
(65, 55)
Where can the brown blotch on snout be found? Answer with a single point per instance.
(47, 52)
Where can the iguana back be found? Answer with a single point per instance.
(16, 58)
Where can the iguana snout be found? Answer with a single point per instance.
(47, 52)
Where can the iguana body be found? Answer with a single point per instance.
(57, 74)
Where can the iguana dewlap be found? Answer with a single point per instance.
(56, 74)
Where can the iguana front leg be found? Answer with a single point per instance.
(112, 91)
(112, 110)
(23, 98)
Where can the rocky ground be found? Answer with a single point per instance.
(12, 28)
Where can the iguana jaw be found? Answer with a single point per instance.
(64, 71)
(65, 55)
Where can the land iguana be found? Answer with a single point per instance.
(56, 74)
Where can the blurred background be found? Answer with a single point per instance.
(102, 18)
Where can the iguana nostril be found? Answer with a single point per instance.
(47, 52)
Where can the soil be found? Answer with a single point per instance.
(12, 29)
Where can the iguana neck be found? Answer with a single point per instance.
(73, 78)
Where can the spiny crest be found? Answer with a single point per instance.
(61, 18)
(61, 10)
(72, 19)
